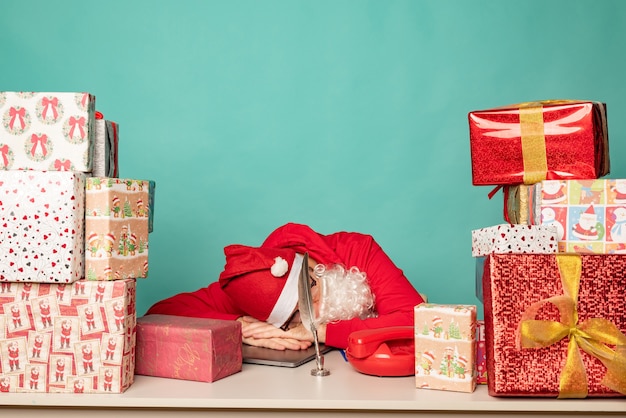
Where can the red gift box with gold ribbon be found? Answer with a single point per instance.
(555, 325)
(530, 142)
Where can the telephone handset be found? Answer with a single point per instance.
(386, 351)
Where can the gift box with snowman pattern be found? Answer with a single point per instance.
(590, 215)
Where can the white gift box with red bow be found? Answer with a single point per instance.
(47, 131)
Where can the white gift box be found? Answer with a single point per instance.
(42, 215)
(47, 131)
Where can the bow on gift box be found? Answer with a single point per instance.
(593, 335)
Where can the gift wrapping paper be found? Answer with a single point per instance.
(199, 349)
(590, 215)
(510, 238)
(47, 131)
(529, 142)
(74, 338)
(105, 161)
(481, 354)
(116, 228)
(445, 347)
(549, 319)
(42, 226)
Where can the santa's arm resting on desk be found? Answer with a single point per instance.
(247, 293)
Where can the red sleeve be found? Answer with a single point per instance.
(394, 296)
(208, 302)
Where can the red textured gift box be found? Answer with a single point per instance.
(530, 142)
(177, 347)
(516, 291)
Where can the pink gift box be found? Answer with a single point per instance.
(75, 338)
(177, 347)
(116, 228)
(47, 131)
(445, 347)
(42, 215)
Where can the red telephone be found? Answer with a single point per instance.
(386, 351)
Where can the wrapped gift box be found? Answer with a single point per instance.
(42, 226)
(47, 131)
(481, 354)
(77, 338)
(445, 347)
(517, 288)
(199, 349)
(116, 228)
(105, 161)
(510, 239)
(590, 215)
(529, 142)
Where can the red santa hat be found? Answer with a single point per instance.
(462, 361)
(428, 355)
(263, 281)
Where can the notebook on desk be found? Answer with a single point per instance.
(286, 358)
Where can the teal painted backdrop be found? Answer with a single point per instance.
(343, 115)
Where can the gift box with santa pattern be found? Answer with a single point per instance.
(116, 228)
(445, 347)
(47, 131)
(590, 215)
(75, 338)
(42, 226)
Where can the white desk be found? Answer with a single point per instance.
(274, 391)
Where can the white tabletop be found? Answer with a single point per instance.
(277, 388)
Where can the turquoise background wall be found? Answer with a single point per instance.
(343, 115)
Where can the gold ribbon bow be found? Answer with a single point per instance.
(594, 335)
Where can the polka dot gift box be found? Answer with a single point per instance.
(47, 131)
(42, 226)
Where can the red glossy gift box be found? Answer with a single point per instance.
(555, 324)
(177, 347)
(529, 142)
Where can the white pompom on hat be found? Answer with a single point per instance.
(263, 282)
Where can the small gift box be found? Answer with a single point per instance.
(42, 226)
(105, 161)
(47, 131)
(199, 349)
(554, 325)
(530, 142)
(116, 228)
(510, 239)
(76, 338)
(589, 215)
(445, 347)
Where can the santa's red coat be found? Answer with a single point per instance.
(394, 295)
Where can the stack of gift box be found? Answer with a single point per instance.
(73, 241)
(552, 276)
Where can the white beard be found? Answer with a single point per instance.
(344, 294)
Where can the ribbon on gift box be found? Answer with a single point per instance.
(593, 335)
(532, 131)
